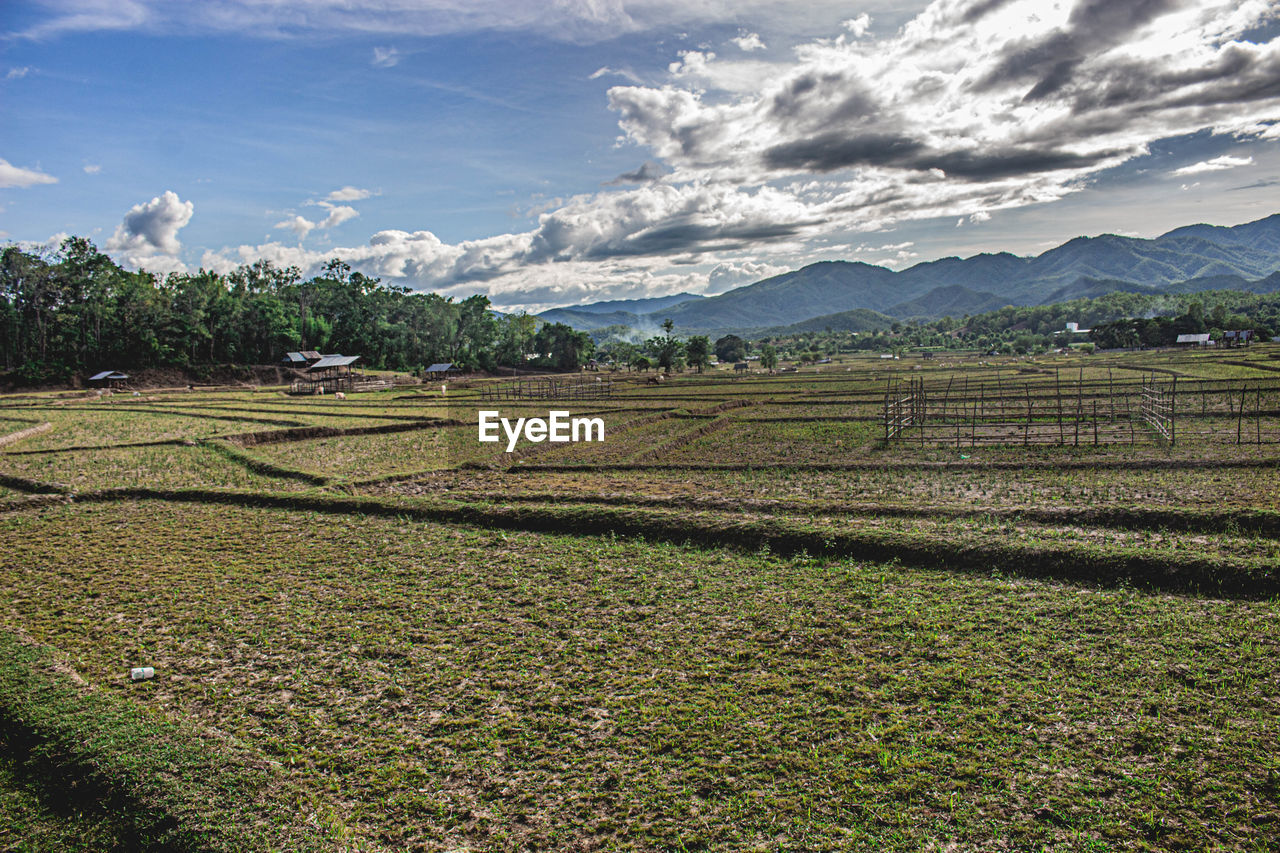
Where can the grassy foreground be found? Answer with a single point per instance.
(450, 688)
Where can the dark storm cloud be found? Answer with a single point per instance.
(788, 101)
(680, 237)
(831, 97)
(834, 150)
(1009, 162)
(1239, 74)
(1051, 60)
(648, 172)
(981, 9)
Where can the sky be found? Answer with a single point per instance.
(568, 151)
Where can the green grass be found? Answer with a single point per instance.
(169, 466)
(85, 769)
(438, 686)
(29, 823)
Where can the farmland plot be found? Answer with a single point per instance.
(742, 621)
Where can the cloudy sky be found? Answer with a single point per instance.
(551, 152)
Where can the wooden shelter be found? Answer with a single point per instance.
(1236, 338)
(329, 374)
(109, 379)
(444, 370)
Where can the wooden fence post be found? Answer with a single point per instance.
(1240, 416)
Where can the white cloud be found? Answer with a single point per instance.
(385, 57)
(52, 244)
(691, 62)
(92, 168)
(158, 264)
(93, 16)
(348, 193)
(889, 254)
(1217, 164)
(148, 236)
(16, 176)
(18, 73)
(748, 41)
(302, 226)
(606, 71)
(338, 214)
(730, 274)
(858, 26)
(612, 237)
(1018, 98)
(299, 225)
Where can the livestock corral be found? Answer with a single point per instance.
(960, 603)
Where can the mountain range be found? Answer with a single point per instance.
(839, 294)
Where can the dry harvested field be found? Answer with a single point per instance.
(746, 620)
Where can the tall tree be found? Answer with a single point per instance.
(731, 348)
(667, 349)
(698, 351)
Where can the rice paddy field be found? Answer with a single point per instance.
(753, 617)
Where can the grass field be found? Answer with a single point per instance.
(742, 622)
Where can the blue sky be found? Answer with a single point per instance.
(555, 153)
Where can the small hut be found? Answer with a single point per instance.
(329, 374)
(444, 370)
(109, 379)
(1236, 338)
(294, 359)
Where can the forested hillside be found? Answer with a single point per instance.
(77, 311)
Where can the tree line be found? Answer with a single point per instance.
(74, 310)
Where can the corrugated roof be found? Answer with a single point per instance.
(310, 354)
(294, 356)
(108, 374)
(334, 361)
(1193, 339)
(440, 368)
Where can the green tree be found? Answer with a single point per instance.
(731, 348)
(568, 349)
(667, 348)
(515, 338)
(698, 351)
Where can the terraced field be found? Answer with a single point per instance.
(743, 621)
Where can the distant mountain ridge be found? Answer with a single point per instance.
(637, 306)
(1186, 259)
(618, 312)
